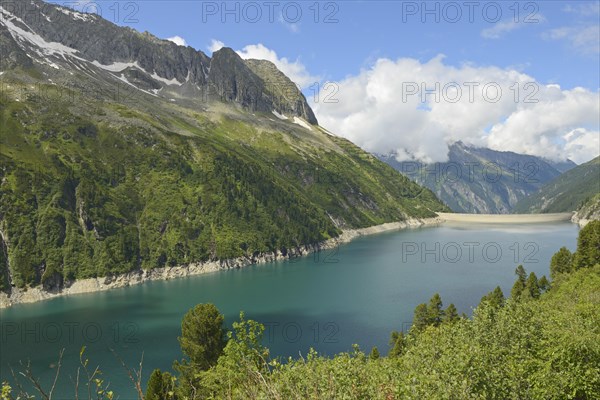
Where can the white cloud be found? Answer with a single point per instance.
(584, 39)
(215, 45)
(499, 29)
(562, 124)
(586, 9)
(178, 40)
(293, 27)
(377, 111)
(582, 144)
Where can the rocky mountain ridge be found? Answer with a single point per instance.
(35, 32)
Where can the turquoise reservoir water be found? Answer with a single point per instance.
(357, 293)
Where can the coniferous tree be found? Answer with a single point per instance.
(421, 317)
(154, 387)
(160, 386)
(519, 285)
(532, 288)
(451, 314)
(588, 246)
(517, 290)
(543, 283)
(495, 298)
(397, 344)
(374, 353)
(202, 335)
(434, 310)
(561, 262)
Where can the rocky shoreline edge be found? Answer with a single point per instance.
(582, 222)
(91, 285)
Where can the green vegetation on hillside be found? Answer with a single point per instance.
(95, 188)
(568, 192)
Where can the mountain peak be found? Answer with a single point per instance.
(279, 85)
(58, 40)
(226, 51)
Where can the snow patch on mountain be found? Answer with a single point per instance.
(280, 116)
(173, 81)
(77, 15)
(20, 34)
(121, 66)
(122, 78)
(117, 66)
(302, 123)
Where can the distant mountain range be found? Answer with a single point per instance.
(480, 180)
(122, 152)
(568, 192)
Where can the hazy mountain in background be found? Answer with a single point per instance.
(568, 192)
(480, 180)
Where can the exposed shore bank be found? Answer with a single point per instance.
(506, 218)
(92, 285)
(582, 222)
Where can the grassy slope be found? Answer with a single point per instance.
(567, 192)
(94, 187)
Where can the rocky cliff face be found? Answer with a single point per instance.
(12, 55)
(290, 99)
(589, 211)
(47, 35)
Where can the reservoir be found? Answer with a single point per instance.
(357, 293)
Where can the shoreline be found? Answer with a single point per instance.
(506, 218)
(92, 285)
(582, 222)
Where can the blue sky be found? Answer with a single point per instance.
(348, 35)
(370, 50)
